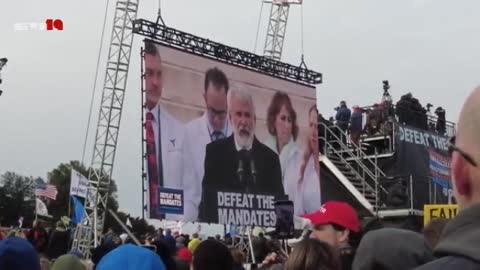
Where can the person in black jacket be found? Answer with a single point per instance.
(58, 243)
(239, 163)
(459, 246)
(343, 118)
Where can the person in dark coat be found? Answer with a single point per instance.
(58, 243)
(392, 249)
(403, 110)
(239, 163)
(343, 118)
(441, 121)
(343, 115)
(38, 237)
(170, 241)
(356, 125)
(459, 247)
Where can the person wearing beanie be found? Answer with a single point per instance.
(392, 249)
(212, 255)
(337, 224)
(18, 254)
(68, 262)
(130, 257)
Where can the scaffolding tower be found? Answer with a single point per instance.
(88, 233)
(277, 27)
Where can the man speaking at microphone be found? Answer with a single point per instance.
(239, 163)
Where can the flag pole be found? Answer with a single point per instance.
(35, 195)
(36, 214)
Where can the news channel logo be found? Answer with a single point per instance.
(48, 25)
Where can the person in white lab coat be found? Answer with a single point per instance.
(211, 126)
(283, 130)
(164, 159)
(308, 197)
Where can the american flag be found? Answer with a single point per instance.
(45, 190)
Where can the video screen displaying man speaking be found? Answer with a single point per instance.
(231, 140)
(239, 163)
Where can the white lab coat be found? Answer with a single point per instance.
(172, 139)
(307, 193)
(289, 160)
(197, 136)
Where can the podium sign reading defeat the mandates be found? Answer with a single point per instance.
(245, 209)
(170, 201)
(431, 211)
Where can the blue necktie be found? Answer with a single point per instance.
(217, 135)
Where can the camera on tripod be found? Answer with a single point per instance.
(386, 86)
(429, 106)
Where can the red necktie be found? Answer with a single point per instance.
(152, 164)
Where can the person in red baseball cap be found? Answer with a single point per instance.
(335, 223)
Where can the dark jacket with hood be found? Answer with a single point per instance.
(392, 249)
(459, 247)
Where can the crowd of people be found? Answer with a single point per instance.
(336, 242)
(379, 119)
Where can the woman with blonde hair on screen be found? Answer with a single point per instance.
(308, 197)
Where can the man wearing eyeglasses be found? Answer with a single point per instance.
(459, 247)
(212, 126)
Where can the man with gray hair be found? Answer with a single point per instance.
(239, 163)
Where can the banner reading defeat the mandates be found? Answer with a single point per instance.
(424, 155)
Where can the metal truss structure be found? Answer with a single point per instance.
(89, 232)
(173, 38)
(277, 26)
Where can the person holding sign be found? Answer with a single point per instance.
(239, 163)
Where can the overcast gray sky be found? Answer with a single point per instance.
(428, 47)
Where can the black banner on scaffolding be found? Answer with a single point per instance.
(424, 155)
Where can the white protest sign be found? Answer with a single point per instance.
(78, 184)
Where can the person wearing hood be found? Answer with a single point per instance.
(459, 244)
(130, 257)
(68, 262)
(392, 249)
(18, 254)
